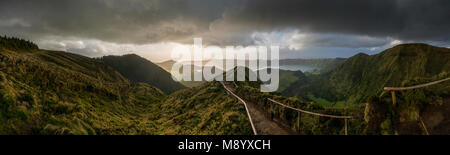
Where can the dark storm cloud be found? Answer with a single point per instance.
(403, 19)
(224, 21)
(122, 21)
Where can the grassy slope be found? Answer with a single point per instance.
(311, 125)
(289, 77)
(49, 92)
(431, 104)
(367, 76)
(362, 76)
(206, 109)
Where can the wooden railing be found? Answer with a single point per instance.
(393, 89)
(300, 111)
(416, 86)
(245, 104)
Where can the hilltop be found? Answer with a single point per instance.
(362, 75)
(139, 69)
(55, 92)
(51, 92)
(13, 43)
(417, 111)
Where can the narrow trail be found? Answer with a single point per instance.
(261, 124)
(266, 126)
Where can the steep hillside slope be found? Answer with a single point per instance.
(206, 109)
(362, 76)
(51, 92)
(417, 111)
(287, 78)
(311, 125)
(139, 69)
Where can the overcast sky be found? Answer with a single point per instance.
(151, 28)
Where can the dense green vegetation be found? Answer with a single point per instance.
(250, 92)
(431, 104)
(139, 69)
(362, 76)
(206, 109)
(47, 92)
(287, 78)
(13, 43)
(360, 81)
(310, 124)
(52, 92)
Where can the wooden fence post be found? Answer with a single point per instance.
(424, 126)
(299, 117)
(346, 126)
(393, 98)
(393, 106)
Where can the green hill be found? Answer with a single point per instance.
(206, 109)
(362, 76)
(311, 125)
(139, 69)
(16, 44)
(287, 78)
(53, 92)
(430, 105)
